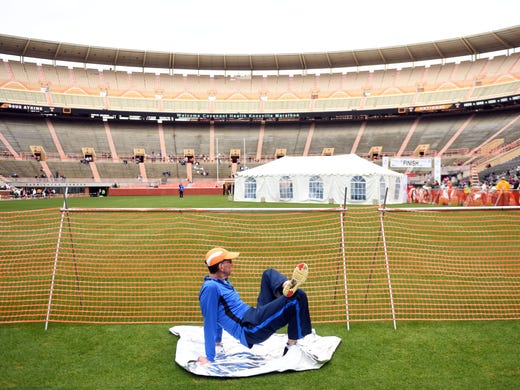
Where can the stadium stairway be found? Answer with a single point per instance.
(46, 169)
(475, 180)
(95, 173)
(142, 170)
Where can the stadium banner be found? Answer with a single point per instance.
(164, 116)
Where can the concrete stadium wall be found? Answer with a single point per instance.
(162, 191)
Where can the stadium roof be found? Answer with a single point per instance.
(470, 45)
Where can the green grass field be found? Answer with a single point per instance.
(426, 355)
(418, 355)
(195, 201)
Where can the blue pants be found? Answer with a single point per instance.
(274, 311)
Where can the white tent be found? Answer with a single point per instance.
(320, 179)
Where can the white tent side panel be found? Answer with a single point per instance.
(336, 174)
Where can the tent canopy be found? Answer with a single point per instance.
(320, 179)
(318, 165)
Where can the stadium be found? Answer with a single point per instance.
(85, 119)
(133, 124)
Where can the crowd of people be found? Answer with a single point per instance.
(28, 193)
(496, 189)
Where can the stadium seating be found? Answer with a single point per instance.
(451, 136)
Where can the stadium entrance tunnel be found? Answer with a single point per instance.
(98, 191)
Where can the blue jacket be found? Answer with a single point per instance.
(221, 308)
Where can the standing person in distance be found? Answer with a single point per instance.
(504, 189)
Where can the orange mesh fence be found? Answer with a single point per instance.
(140, 266)
(454, 263)
(147, 266)
(27, 249)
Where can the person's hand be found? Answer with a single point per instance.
(202, 360)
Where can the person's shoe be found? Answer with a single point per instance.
(289, 347)
(299, 277)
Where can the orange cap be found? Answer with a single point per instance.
(216, 255)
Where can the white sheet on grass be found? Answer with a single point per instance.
(238, 361)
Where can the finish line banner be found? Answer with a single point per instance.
(410, 162)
